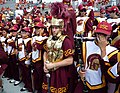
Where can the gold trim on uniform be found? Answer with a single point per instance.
(13, 52)
(115, 40)
(93, 87)
(10, 41)
(45, 47)
(119, 31)
(107, 64)
(118, 56)
(22, 59)
(110, 73)
(78, 65)
(112, 53)
(68, 52)
(66, 3)
(84, 52)
(39, 42)
(55, 90)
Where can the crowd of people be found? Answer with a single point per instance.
(61, 50)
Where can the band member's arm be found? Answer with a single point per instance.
(45, 59)
(111, 68)
(65, 62)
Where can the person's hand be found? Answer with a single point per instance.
(27, 65)
(49, 66)
(102, 41)
(45, 68)
(82, 74)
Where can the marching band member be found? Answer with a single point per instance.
(24, 51)
(101, 54)
(38, 42)
(3, 38)
(81, 19)
(102, 15)
(12, 66)
(114, 20)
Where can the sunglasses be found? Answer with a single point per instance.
(103, 13)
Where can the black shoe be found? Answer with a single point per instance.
(12, 81)
(8, 79)
(3, 77)
(23, 89)
(17, 83)
(1, 89)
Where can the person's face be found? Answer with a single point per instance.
(4, 33)
(24, 23)
(102, 14)
(14, 33)
(23, 34)
(55, 30)
(39, 31)
(17, 21)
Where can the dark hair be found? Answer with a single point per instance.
(83, 10)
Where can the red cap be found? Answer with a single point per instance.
(104, 28)
(39, 25)
(114, 8)
(14, 28)
(108, 10)
(27, 29)
(49, 17)
(35, 7)
(67, 1)
(91, 14)
(37, 19)
(17, 18)
(102, 10)
(81, 7)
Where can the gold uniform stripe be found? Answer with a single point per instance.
(22, 59)
(84, 52)
(39, 42)
(118, 56)
(115, 40)
(113, 53)
(119, 32)
(36, 60)
(107, 64)
(109, 72)
(97, 86)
